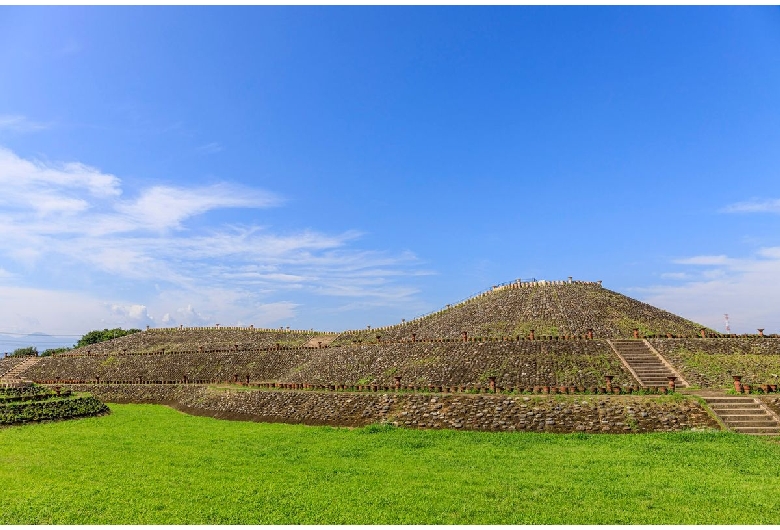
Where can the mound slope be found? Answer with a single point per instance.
(549, 308)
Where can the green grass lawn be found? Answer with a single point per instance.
(148, 464)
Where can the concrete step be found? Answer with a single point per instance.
(753, 423)
(730, 418)
(14, 373)
(645, 364)
(758, 430)
(737, 410)
(730, 401)
(743, 414)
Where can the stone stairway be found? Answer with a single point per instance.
(645, 364)
(744, 414)
(14, 374)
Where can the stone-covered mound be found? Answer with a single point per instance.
(512, 363)
(549, 308)
(214, 338)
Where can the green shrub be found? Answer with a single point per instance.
(28, 350)
(56, 409)
(96, 336)
(54, 351)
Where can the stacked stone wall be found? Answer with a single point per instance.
(515, 364)
(711, 362)
(593, 414)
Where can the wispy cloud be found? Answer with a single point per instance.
(704, 260)
(211, 148)
(675, 276)
(164, 207)
(747, 288)
(21, 124)
(754, 206)
(73, 222)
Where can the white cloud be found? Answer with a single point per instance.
(50, 191)
(211, 148)
(185, 316)
(754, 206)
(72, 225)
(21, 124)
(704, 260)
(134, 315)
(55, 311)
(164, 207)
(746, 288)
(674, 276)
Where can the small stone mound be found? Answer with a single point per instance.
(24, 402)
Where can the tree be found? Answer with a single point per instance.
(96, 336)
(52, 351)
(29, 350)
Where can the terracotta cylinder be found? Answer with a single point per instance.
(492, 384)
(738, 383)
(672, 383)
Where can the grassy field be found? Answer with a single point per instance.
(148, 464)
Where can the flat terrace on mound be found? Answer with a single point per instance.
(513, 364)
(549, 308)
(713, 362)
(211, 338)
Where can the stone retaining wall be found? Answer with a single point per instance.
(562, 414)
(771, 402)
(513, 364)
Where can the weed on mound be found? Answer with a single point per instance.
(148, 464)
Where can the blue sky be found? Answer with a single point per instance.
(341, 167)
